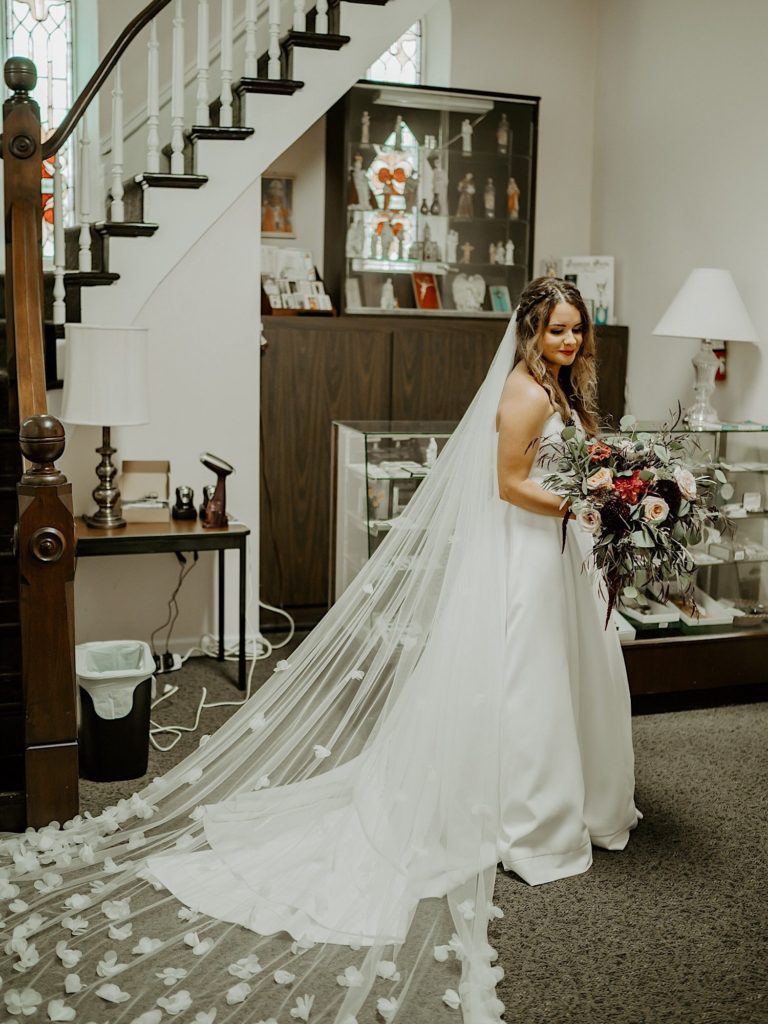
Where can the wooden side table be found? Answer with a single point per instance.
(176, 535)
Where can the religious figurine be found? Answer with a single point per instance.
(509, 253)
(466, 137)
(431, 248)
(501, 252)
(399, 132)
(360, 195)
(513, 199)
(440, 186)
(550, 267)
(365, 128)
(387, 238)
(355, 238)
(489, 198)
(374, 255)
(387, 295)
(466, 252)
(492, 253)
(502, 135)
(452, 246)
(466, 188)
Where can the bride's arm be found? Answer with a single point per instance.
(523, 411)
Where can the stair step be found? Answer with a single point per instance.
(275, 86)
(154, 180)
(373, 3)
(126, 229)
(211, 132)
(90, 278)
(314, 40)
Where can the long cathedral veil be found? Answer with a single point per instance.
(329, 854)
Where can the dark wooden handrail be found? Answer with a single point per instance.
(100, 75)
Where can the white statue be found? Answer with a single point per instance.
(355, 238)
(361, 191)
(387, 238)
(501, 252)
(365, 127)
(387, 295)
(452, 246)
(466, 137)
(440, 186)
(509, 254)
(492, 253)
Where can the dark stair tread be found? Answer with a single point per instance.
(126, 229)
(276, 86)
(373, 3)
(216, 132)
(161, 180)
(90, 278)
(314, 40)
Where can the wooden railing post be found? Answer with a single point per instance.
(46, 550)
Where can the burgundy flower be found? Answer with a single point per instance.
(615, 515)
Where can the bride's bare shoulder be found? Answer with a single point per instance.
(523, 396)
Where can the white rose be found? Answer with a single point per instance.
(686, 481)
(601, 479)
(655, 510)
(589, 520)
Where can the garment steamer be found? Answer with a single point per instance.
(214, 512)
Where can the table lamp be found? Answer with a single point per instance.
(106, 384)
(708, 306)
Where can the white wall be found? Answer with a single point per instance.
(681, 166)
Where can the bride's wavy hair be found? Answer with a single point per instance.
(578, 381)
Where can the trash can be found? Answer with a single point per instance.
(115, 683)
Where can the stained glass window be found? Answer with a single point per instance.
(42, 31)
(401, 62)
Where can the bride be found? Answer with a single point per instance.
(330, 853)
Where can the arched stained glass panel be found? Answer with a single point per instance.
(42, 31)
(401, 62)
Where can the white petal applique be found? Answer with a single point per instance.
(146, 945)
(116, 910)
(386, 1008)
(22, 1002)
(302, 945)
(76, 925)
(351, 978)
(238, 993)
(387, 969)
(69, 957)
(457, 946)
(8, 890)
(73, 984)
(112, 993)
(246, 968)
(284, 977)
(187, 914)
(170, 975)
(50, 881)
(282, 666)
(441, 953)
(33, 924)
(59, 1011)
(303, 1008)
(120, 932)
(26, 862)
(494, 912)
(355, 676)
(368, 589)
(320, 752)
(467, 910)
(185, 841)
(108, 966)
(192, 776)
(27, 954)
(198, 813)
(199, 947)
(176, 1003)
(86, 854)
(18, 907)
(262, 782)
(77, 901)
(201, 743)
(258, 722)
(207, 1017)
(451, 998)
(135, 842)
(150, 1017)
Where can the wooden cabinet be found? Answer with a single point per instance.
(315, 371)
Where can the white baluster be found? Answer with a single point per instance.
(251, 65)
(84, 261)
(227, 31)
(321, 17)
(274, 69)
(177, 91)
(117, 207)
(59, 309)
(299, 16)
(202, 114)
(153, 100)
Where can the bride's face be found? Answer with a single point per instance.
(562, 337)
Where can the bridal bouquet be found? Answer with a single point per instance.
(641, 498)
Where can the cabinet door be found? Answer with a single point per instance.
(311, 374)
(612, 346)
(438, 367)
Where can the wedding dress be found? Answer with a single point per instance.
(330, 853)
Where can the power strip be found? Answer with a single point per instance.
(167, 662)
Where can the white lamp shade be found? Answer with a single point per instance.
(106, 379)
(707, 306)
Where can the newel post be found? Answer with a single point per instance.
(46, 550)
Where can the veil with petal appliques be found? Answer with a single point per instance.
(330, 853)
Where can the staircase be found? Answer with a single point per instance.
(109, 268)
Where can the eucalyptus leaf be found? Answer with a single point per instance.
(646, 474)
(685, 508)
(726, 491)
(640, 539)
(720, 475)
(568, 433)
(661, 452)
(627, 422)
(630, 592)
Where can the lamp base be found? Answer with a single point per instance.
(702, 414)
(106, 495)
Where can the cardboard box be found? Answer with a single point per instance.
(145, 489)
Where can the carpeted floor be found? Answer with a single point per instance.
(673, 930)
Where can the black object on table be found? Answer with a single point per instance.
(170, 537)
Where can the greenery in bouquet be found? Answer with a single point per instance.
(643, 498)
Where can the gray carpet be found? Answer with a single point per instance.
(673, 930)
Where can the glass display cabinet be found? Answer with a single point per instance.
(430, 196)
(377, 468)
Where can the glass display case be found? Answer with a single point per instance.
(430, 200)
(378, 466)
